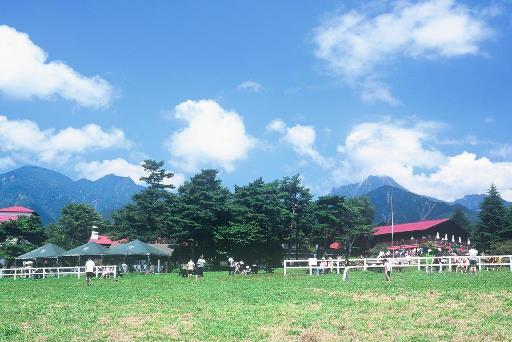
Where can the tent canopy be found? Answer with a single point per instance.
(47, 251)
(90, 248)
(136, 247)
(336, 245)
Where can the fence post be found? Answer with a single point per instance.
(479, 264)
(285, 267)
(78, 271)
(510, 260)
(115, 272)
(310, 270)
(15, 273)
(450, 263)
(97, 271)
(44, 272)
(365, 265)
(419, 264)
(58, 272)
(338, 266)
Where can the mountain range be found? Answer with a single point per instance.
(47, 191)
(407, 206)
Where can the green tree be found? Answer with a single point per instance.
(296, 200)
(202, 207)
(492, 220)
(148, 217)
(20, 236)
(461, 219)
(361, 214)
(331, 217)
(256, 219)
(75, 225)
(506, 233)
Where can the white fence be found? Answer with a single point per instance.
(47, 272)
(448, 263)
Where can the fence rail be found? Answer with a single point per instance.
(442, 262)
(46, 272)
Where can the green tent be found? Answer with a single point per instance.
(90, 248)
(136, 247)
(46, 252)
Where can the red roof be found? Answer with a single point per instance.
(408, 227)
(4, 218)
(17, 209)
(105, 240)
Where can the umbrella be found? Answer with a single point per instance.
(336, 245)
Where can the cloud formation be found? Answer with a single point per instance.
(356, 45)
(25, 140)
(302, 139)
(120, 167)
(213, 136)
(407, 152)
(250, 85)
(25, 72)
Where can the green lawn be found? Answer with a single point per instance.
(413, 307)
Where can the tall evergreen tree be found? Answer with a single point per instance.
(331, 217)
(297, 202)
(492, 220)
(75, 225)
(203, 207)
(506, 233)
(20, 236)
(148, 217)
(461, 219)
(361, 214)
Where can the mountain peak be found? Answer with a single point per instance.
(370, 184)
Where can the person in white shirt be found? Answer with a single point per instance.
(473, 260)
(231, 264)
(387, 269)
(190, 268)
(200, 266)
(89, 271)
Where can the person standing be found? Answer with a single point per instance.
(200, 266)
(231, 264)
(190, 268)
(89, 271)
(473, 260)
(387, 269)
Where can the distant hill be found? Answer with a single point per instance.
(47, 191)
(473, 202)
(368, 185)
(408, 206)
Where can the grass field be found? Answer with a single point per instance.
(413, 307)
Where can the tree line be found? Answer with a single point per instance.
(261, 221)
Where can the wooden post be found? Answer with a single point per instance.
(78, 271)
(419, 264)
(58, 272)
(115, 272)
(449, 263)
(14, 273)
(44, 272)
(285, 267)
(338, 266)
(510, 260)
(310, 270)
(365, 265)
(479, 264)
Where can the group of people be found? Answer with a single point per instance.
(195, 268)
(239, 267)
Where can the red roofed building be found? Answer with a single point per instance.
(105, 240)
(12, 213)
(420, 230)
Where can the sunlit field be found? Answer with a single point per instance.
(414, 306)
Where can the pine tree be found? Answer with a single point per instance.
(492, 220)
(461, 219)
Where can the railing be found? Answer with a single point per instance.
(440, 262)
(46, 272)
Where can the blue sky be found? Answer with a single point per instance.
(332, 90)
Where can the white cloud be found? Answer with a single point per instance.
(407, 153)
(119, 167)
(26, 73)
(213, 137)
(276, 125)
(302, 139)
(25, 138)
(503, 152)
(357, 45)
(250, 85)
